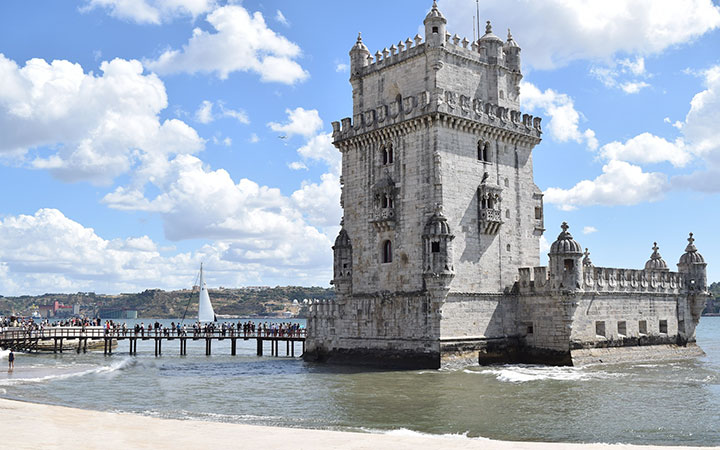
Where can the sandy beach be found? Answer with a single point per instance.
(30, 425)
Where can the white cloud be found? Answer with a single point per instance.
(564, 118)
(280, 17)
(241, 42)
(300, 121)
(48, 252)
(205, 114)
(298, 165)
(646, 148)
(633, 87)
(87, 127)
(151, 11)
(625, 74)
(589, 230)
(321, 148)
(703, 135)
(553, 33)
(621, 183)
(342, 67)
(254, 139)
(320, 203)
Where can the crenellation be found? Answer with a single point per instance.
(438, 253)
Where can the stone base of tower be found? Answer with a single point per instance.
(645, 353)
(375, 357)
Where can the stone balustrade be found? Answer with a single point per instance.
(603, 279)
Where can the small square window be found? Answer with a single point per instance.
(529, 328)
(435, 30)
(538, 213)
(663, 326)
(436, 247)
(600, 328)
(622, 328)
(642, 327)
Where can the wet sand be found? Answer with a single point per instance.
(31, 426)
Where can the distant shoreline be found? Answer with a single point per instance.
(61, 427)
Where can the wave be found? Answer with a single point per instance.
(413, 433)
(4, 353)
(119, 365)
(524, 374)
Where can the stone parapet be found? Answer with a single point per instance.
(602, 279)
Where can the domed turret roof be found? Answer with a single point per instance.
(437, 225)
(565, 244)
(656, 262)
(360, 46)
(510, 41)
(435, 14)
(342, 240)
(489, 36)
(691, 255)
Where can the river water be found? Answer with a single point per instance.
(657, 403)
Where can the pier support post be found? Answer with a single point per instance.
(287, 347)
(61, 342)
(259, 347)
(79, 347)
(292, 349)
(85, 345)
(233, 348)
(55, 346)
(105, 346)
(208, 346)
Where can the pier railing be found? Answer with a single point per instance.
(24, 339)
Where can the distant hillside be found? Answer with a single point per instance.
(156, 303)
(714, 305)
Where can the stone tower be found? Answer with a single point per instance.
(440, 207)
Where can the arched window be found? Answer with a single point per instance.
(389, 201)
(387, 252)
(390, 154)
(483, 151)
(384, 156)
(384, 202)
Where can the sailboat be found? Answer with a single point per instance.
(205, 309)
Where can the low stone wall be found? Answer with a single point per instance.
(613, 355)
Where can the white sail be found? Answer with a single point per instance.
(205, 309)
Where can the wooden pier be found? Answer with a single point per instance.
(53, 338)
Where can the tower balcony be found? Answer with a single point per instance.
(490, 221)
(384, 219)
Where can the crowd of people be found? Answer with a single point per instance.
(157, 329)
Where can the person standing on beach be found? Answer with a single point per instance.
(11, 361)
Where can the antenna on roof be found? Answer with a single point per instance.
(474, 38)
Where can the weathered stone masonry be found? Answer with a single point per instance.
(438, 254)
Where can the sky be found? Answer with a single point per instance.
(139, 138)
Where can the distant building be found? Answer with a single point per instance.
(117, 313)
(438, 255)
(57, 309)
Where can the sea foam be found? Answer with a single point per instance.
(119, 365)
(524, 374)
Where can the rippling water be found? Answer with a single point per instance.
(650, 403)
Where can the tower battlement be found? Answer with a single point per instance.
(438, 254)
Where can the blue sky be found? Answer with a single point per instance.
(141, 137)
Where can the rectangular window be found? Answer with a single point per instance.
(600, 328)
(663, 326)
(642, 327)
(622, 328)
(538, 213)
(436, 247)
(569, 265)
(529, 329)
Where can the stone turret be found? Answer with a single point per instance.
(342, 267)
(435, 27)
(359, 56)
(566, 268)
(512, 53)
(438, 269)
(587, 262)
(693, 265)
(656, 263)
(493, 45)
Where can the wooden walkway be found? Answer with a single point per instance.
(53, 338)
